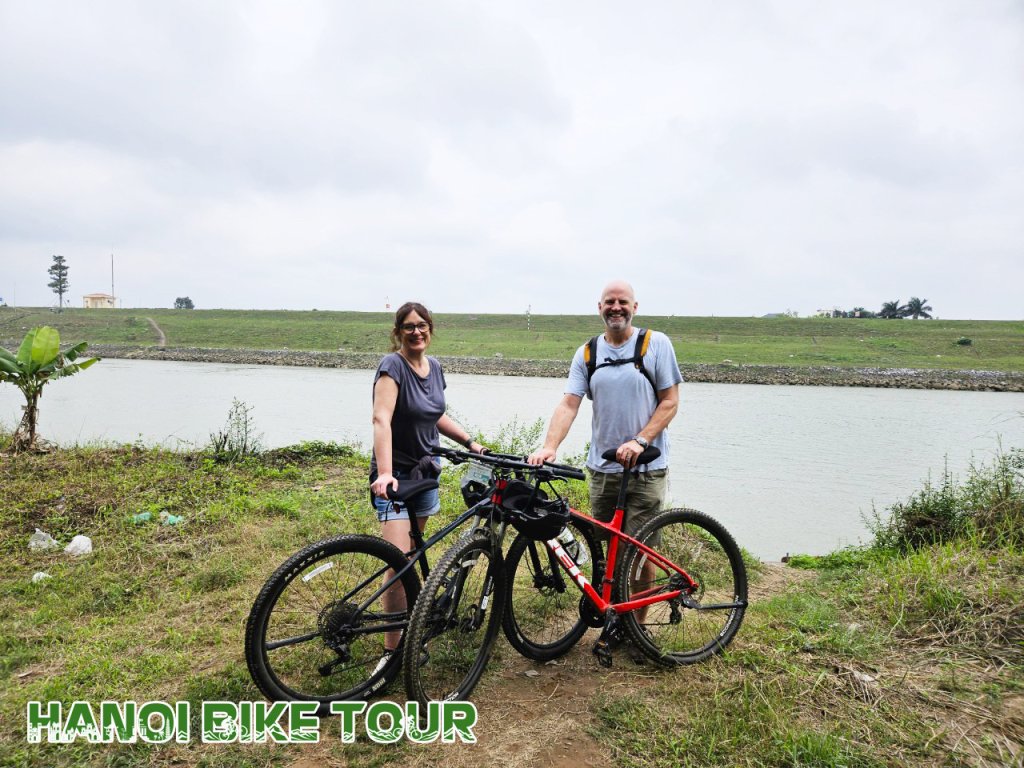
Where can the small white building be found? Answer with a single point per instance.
(99, 301)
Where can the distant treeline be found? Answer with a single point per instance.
(891, 310)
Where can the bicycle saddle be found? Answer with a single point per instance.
(649, 455)
(409, 488)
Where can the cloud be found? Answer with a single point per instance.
(738, 159)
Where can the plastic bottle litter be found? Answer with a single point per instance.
(80, 545)
(40, 576)
(142, 517)
(168, 519)
(41, 540)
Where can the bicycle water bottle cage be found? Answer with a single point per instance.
(649, 455)
(532, 513)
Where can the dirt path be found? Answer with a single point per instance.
(540, 715)
(161, 340)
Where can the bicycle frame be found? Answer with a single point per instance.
(414, 556)
(603, 600)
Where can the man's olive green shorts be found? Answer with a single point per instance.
(645, 497)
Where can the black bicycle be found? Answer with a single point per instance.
(456, 618)
(316, 631)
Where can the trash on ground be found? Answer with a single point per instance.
(80, 545)
(40, 576)
(168, 519)
(41, 540)
(142, 517)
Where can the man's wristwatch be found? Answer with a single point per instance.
(643, 443)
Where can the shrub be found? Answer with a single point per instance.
(988, 505)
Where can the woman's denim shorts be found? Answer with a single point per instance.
(421, 505)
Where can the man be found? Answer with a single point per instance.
(632, 408)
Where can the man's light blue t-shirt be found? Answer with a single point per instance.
(623, 398)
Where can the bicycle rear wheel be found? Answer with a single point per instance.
(316, 630)
(455, 621)
(542, 610)
(692, 627)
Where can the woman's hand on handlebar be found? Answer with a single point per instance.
(475, 447)
(381, 484)
(539, 457)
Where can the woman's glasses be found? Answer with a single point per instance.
(413, 327)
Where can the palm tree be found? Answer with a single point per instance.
(918, 308)
(891, 310)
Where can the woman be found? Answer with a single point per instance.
(408, 414)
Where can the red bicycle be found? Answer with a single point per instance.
(677, 589)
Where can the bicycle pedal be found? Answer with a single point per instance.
(603, 652)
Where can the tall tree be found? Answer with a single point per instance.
(59, 272)
(184, 302)
(918, 308)
(892, 310)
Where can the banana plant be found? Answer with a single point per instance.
(38, 361)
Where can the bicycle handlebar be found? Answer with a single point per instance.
(508, 461)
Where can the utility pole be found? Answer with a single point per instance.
(528, 307)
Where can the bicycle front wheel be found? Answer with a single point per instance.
(701, 621)
(542, 611)
(316, 631)
(455, 621)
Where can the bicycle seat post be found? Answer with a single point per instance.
(621, 503)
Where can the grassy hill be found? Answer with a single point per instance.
(994, 345)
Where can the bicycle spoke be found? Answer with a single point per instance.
(701, 620)
(308, 636)
(454, 623)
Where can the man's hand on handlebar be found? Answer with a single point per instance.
(627, 453)
(539, 457)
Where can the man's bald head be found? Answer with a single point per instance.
(618, 286)
(617, 307)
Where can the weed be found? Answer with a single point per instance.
(238, 438)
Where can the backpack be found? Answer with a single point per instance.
(643, 340)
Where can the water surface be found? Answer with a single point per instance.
(786, 469)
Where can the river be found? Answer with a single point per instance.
(786, 468)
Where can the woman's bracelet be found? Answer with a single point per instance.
(468, 442)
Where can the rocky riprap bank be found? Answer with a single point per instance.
(725, 373)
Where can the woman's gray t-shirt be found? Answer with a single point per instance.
(420, 404)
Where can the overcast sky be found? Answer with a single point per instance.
(729, 158)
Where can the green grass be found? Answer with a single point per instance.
(870, 658)
(801, 342)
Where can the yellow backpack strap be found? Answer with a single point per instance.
(646, 342)
(590, 357)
